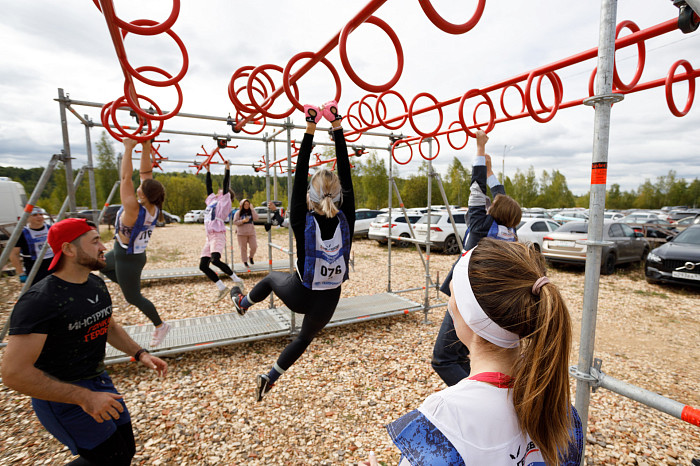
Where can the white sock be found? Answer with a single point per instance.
(220, 285)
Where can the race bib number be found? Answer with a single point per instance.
(329, 275)
(141, 241)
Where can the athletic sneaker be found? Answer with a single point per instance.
(252, 262)
(221, 294)
(262, 386)
(159, 334)
(236, 297)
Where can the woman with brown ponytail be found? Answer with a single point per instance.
(514, 408)
(135, 221)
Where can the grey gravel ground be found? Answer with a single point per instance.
(330, 407)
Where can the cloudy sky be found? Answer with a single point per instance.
(51, 45)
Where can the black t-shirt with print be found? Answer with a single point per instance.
(75, 318)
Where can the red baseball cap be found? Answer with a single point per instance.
(65, 231)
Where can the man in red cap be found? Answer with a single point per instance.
(55, 353)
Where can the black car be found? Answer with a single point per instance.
(110, 215)
(168, 218)
(677, 261)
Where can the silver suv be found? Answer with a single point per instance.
(442, 234)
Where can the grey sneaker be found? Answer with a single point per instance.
(262, 386)
(236, 297)
(221, 294)
(159, 334)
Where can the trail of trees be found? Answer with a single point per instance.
(186, 191)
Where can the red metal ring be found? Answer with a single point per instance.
(371, 110)
(243, 128)
(446, 26)
(410, 115)
(591, 82)
(522, 98)
(405, 110)
(348, 116)
(285, 77)
(393, 152)
(168, 82)
(104, 118)
(641, 57)
(135, 106)
(420, 149)
(540, 100)
(260, 108)
(233, 93)
(449, 141)
(154, 29)
(557, 96)
(492, 113)
(669, 88)
(150, 133)
(342, 44)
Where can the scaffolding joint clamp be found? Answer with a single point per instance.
(603, 99)
(591, 378)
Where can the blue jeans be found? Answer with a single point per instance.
(450, 355)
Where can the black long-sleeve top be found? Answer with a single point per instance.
(227, 180)
(299, 208)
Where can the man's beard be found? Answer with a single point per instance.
(91, 263)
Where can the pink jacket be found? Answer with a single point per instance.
(244, 225)
(220, 212)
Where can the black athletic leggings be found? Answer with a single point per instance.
(115, 451)
(317, 306)
(215, 260)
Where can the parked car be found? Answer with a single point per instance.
(110, 215)
(379, 229)
(532, 230)
(363, 218)
(612, 215)
(570, 216)
(88, 214)
(442, 235)
(677, 261)
(194, 216)
(564, 245)
(684, 223)
(639, 217)
(168, 218)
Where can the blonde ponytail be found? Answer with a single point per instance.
(325, 194)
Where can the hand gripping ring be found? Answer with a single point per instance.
(410, 115)
(393, 152)
(342, 48)
(147, 30)
(135, 106)
(185, 60)
(288, 69)
(446, 26)
(381, 120)
(641, 58)
(558, 93)
(669, 88)
(492, 111)
(264, 108)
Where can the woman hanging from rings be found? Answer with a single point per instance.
(133, 228)
(217, 211)
(514, 408)
(322, 217)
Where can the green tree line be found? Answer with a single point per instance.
(187, 191)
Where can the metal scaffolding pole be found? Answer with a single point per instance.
(267, 196)
(289, 128)
(426, 298)
(602, 102)
(66, 150)
(91, 171)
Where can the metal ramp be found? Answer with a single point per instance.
(228, 329)
(188, 272)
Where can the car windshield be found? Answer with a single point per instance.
(689, 236)
(573, 227)
(433, 218)
(382, 218)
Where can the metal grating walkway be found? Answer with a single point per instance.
(187, 272)
(227, 329)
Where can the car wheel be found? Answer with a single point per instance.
(608, 265)
(451, 245)
(404, 244)
(537, 247)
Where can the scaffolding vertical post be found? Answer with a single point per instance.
(601, 135)
(388, 238)
(274, 157)
(66, 150)
(91, 170)
(289, 126)
(426, 298)
(267, 196)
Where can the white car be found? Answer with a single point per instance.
(363, 218)
(612, 215)
(532, 230)
(194, 216)
(442, 233)
(379, 229)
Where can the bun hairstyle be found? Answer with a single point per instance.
(155, 193)
(325, 193)
(506, 211)
(506, 279)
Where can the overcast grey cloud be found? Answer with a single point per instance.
(66, 44)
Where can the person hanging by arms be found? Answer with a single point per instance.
(322, 218)
(29, 245)
(134, 225)
(217, 211)
(496, 220)
(514, 408)
(55, 353)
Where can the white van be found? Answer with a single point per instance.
(13, 201)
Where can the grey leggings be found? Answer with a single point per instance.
(125, 270)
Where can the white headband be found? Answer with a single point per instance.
(472, 313)
(316, 197)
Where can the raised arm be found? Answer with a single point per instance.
(126, 187)
(227, 176)
(298, 208)
(344, 173)
(146, 165)
(210, 190)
